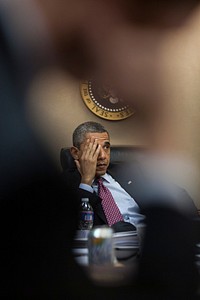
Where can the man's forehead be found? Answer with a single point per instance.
(101, 136)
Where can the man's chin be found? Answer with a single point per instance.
(100, 172)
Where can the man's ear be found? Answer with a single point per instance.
(74, 152)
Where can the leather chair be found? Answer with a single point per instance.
(119, 154)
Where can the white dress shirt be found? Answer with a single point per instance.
(127, 205)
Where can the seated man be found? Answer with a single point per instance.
(91, 153)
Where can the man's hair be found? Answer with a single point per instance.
(86, 127)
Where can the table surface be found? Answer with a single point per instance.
(120, 273)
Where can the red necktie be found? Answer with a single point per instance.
(110, 208)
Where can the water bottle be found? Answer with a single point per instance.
(86, 215)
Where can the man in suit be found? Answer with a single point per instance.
(91, 153)
(133, 187)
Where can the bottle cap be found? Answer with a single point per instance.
(85, 199)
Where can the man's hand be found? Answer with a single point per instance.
(87, 163)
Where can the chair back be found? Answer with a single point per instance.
(119, 154)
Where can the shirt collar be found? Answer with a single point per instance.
(106, 177)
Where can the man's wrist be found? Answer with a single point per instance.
(87, 181)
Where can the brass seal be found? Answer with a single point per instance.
(103, 101)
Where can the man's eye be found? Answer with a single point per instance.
(106, 147)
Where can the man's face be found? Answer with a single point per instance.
(103, 159)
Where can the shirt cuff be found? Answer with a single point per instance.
(86, 187)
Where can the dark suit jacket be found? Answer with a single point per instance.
(72, 179)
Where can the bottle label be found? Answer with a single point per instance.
(87, 215)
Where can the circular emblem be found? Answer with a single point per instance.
(104, 102)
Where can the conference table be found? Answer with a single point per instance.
(127, 247)
(125, 265)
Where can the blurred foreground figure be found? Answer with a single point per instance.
(120, 42)
(37, 215)
(36, 227)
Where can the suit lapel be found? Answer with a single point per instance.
(96, 204)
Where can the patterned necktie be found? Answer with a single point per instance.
(110, 208)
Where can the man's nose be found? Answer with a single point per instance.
(102, 153)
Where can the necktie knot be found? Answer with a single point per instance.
(99, 180)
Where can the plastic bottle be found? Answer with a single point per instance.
(86, 215)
